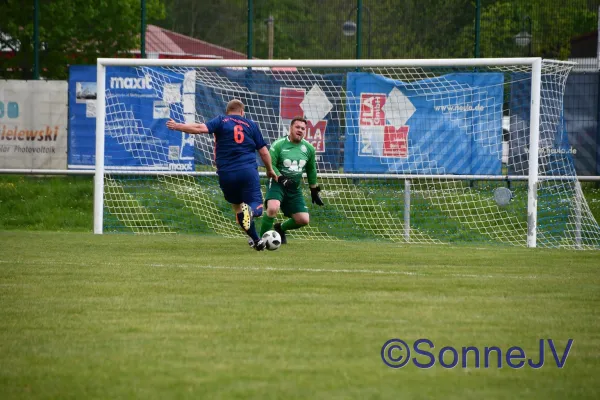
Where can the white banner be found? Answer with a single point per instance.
(33, 124)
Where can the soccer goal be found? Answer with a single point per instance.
(444, 151)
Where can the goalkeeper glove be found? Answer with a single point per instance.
(287, 183)
(314, 193)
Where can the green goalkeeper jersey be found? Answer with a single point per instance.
(293, 159)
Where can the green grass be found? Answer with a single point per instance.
(126, 316)
(60, 203)
(65, 203)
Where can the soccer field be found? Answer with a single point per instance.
(175, 316)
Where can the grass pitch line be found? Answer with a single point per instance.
(343, 271)
(274, 269)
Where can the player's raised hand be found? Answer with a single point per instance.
(172, 124)
(314, 194)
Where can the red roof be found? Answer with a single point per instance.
(168, 44)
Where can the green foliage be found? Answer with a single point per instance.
(72, 32)
(551, 24)
(407, 29)
(76, 31)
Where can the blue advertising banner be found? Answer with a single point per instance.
(555, 152)
(450, 124)
(139, 101)
(274, 97)
(581, 116)
(137, 107)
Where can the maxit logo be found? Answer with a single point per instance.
(120, 82)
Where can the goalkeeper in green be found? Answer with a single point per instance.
(291, 156)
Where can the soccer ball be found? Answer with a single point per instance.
(272, 239)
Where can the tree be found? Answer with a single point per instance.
(71, 32)
(400, 29)
(552, 23)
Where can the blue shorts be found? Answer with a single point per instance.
(241, 186)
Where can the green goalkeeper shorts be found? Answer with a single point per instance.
(292, 200)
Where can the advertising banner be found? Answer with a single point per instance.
(33, 124)
(276, 97)
(137, 107)
(450, 124)
(555, 152)
(581, 116)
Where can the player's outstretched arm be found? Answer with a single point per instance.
(266, 159)
(187, 128)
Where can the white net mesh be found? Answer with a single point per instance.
(404, 154)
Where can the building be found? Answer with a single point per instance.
(163, 43)
(160, 43)
(584, 51)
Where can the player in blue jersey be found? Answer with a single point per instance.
(236, 141)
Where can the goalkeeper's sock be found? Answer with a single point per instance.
(267, 224)
(289, 225)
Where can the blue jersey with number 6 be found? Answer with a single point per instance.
(236, 141)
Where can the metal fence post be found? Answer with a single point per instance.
(250, 29)
(477, 27)
(36, 39)
(143, 30)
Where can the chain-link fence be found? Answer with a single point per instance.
(297, 29)
(322, 29)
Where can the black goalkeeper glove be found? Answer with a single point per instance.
(287, 183)
(314, 193)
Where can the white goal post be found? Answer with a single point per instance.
(409, 151)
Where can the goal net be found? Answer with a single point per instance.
(408, 151)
